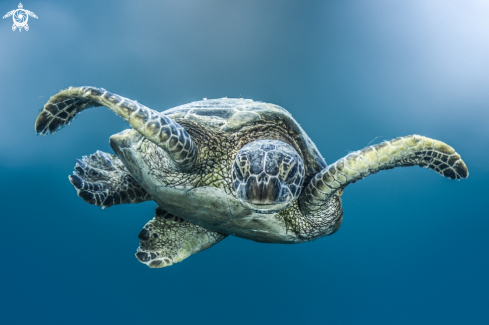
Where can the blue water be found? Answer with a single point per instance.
(413, 247)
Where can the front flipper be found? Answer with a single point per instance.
(401, 152)
(168, 239)
(101, 179)
(166, 133)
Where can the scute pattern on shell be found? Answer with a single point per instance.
(232, 115)
(182, 158)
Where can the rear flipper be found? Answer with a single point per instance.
(101, 179)
(168, 239)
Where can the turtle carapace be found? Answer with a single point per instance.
(225, 167)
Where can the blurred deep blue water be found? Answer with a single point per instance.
(413, 247)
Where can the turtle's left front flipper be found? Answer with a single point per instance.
(168, 239)
(158, 128)
(401, 152)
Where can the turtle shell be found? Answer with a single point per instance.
(230, 115)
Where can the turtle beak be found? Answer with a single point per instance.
(262, 190)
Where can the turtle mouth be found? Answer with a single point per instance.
(264, 197)
(265, 208)
(262, 190)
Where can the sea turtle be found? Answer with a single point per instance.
(225, 167)
(20, 17)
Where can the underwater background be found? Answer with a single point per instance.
(413, 247)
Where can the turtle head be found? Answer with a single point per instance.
(267, 175)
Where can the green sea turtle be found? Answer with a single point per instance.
(225, 167)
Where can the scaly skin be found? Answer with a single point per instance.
(401, 152)
(101, 179)
(168, 239)
(184, 162)
(158, 128)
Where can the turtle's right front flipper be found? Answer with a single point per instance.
(158, 128)
(101, 179)
(401, 152)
